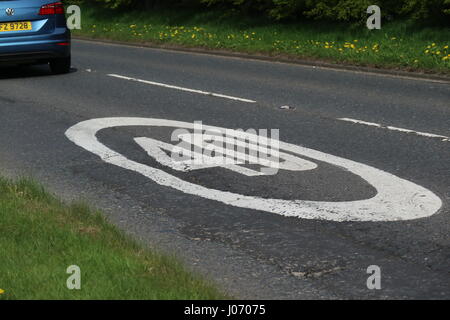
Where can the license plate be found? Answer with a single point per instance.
(16, 26)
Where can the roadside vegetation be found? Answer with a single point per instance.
(40, 237)
(404, 43)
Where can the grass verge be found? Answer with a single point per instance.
(40, 237)
(398, 45)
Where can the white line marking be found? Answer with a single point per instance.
(372, 124)
(158, 84)
(396, 198)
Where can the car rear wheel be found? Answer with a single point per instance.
(60, 65)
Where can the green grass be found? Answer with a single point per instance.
(40, 237)
(402, 45)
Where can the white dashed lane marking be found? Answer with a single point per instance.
(168, 86)
(418, 133)
(356, 121)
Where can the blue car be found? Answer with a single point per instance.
(34, 32)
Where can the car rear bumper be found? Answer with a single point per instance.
(31, 56)
(28, 49)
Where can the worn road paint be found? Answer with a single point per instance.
(396, 198)
(159, 84)
(285, 161)
(372, 124)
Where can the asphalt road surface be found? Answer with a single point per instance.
(372, 185)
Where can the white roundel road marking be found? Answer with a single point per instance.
(396, 199)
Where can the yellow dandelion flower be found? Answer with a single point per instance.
(446, 47)
(2, 291)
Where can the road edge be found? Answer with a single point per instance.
(280, 59)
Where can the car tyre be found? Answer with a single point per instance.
(60, 65)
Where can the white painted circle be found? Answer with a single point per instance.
(396, 199)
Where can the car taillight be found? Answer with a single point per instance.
(52, 8)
